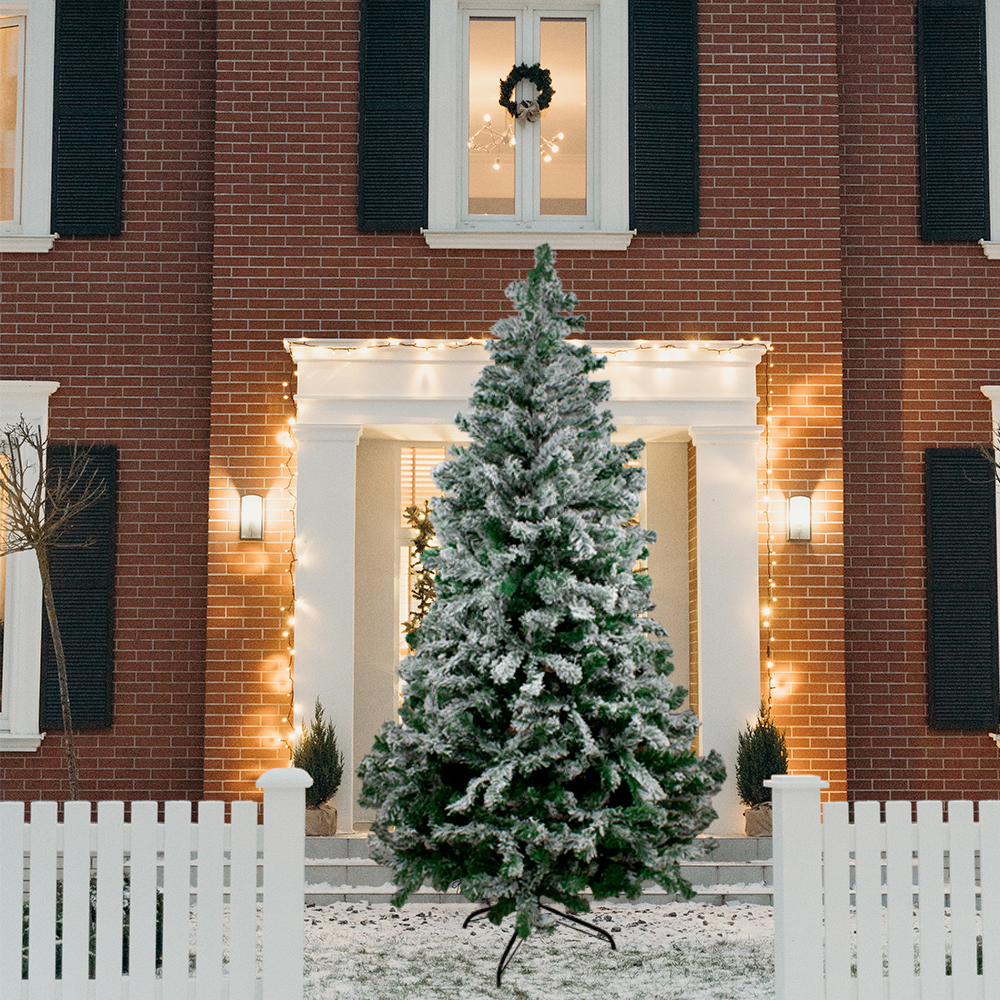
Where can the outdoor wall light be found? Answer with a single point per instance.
(251, 517)
(799, 519)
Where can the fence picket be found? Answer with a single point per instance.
(142, 899)
(930, 873)
(837, 901)
(176, 898)
(989, 878)
(125, 954)
(868, 885)
(110, 869)
(76, 898)
(242, 899)
(962, 890)
(11, 891)
(208, 952)
(899, 899)
(42, 901)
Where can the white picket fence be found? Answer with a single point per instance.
(223, 935)
(870, 909)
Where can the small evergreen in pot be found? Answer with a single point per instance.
(760, 754)
(317, 754)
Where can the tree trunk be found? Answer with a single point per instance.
(67, 716)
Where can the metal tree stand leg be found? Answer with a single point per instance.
(572, 922)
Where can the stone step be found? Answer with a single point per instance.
(355, 845)
(338, 869)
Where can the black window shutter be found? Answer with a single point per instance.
(963, 684)
(954, 164)
(393, 105)
(83, 590)
(87, 115)
(663, 115)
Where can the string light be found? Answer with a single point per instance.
(287, 441)
(597, 346)
(771, 600)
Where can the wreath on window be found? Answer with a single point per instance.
(527, 110)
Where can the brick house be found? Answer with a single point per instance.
(772, 216)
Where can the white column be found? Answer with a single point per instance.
(728, 600)
(326, 460)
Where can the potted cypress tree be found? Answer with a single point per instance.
(317, 754)
(761, 753)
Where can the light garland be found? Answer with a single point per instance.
(595, 345)
(288, 619)
(770, 598)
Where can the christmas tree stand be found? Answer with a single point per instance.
(515, 942)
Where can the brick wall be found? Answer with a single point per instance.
(920, 323)
(124, 325)
(290, 262)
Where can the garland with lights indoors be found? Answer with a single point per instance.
(542, 80)
(422, 586)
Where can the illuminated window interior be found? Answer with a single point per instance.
(10, 97)
(527, 169)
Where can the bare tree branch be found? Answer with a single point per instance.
(38, 506)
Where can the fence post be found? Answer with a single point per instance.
(798, 886)
(284, 881)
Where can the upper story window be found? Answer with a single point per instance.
(26, 61)
(530, 166)
(615, 152)
(61, 121)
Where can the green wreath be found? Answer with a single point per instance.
(541, 78)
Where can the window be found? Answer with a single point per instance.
(26, 60)
(542, 178)
(958, 61)
(615, 152)
(61, 121)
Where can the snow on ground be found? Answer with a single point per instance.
(682, 951)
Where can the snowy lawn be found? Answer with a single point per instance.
(683, 951)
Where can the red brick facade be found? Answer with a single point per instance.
(240, 191)
(920, 324)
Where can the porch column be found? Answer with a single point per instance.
(326, 462)
(728, 600)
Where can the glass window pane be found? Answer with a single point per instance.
(8, 119)
(564, 124)
(491, 131)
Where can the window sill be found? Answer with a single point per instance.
(526, 239)
(22, 743)
(27, 244)
(991, 248)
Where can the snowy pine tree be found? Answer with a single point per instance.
(540, 750)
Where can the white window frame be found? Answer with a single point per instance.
(606, 226)
(30, 232)
(22, 641)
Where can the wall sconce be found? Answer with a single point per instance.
(799, 519)
(251, 517)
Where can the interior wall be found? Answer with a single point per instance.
(376, 558)
(667, 515)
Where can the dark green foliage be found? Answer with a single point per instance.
(317, 754)
(541, 750)
(761, 753)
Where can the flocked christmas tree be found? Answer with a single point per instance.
(540, 750)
